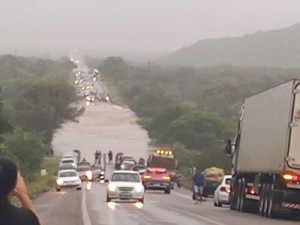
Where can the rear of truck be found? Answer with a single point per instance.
(164, 158)
(266, 162)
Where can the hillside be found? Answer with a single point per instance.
(280, 48)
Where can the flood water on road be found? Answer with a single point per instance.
(103, 126)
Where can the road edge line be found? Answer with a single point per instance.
(85, 215)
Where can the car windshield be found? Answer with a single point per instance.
(126, 177)
(68, 174)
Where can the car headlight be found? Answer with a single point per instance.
(89, 174)
(139, 188)
(59, 181)
(112, 187)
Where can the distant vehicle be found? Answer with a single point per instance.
(141, 169)
(164, 158)
(125, 185)
(221, 195)
(127, 165)
(157, 179)
(213, 177)
(68, 179)
(68, 161)
(66, 166)
(90, 98)
(85, 172)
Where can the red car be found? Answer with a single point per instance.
(157, 179)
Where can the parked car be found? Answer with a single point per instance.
(125, 185)
(221, 195)
(68, 179)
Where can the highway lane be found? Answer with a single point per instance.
(107, 127)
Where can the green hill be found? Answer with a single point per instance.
(280, 48)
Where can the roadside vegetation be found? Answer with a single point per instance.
(193, 110)
(35, 100)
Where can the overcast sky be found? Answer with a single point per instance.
(134, 25)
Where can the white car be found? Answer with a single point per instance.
(68, 179)
(125, 185)
(222, 192)
(68, 161)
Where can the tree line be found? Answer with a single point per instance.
(194, 110)
(36, 97)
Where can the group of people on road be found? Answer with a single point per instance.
(98, 156)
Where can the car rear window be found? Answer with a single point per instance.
(125, 177)
(228, 181)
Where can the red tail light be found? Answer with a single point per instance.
(290, 176)
(224, 189)
(250, 191)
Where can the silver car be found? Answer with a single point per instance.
(125, 185)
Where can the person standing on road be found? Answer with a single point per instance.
(12, 183)
(99, 157)
(110, 156)
(198, 179)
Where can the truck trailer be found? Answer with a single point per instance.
(266, 152)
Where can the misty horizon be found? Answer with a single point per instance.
(143, 28)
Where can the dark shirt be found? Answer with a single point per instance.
(199, 179)
(18, 216)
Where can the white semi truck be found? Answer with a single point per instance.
(266, 152)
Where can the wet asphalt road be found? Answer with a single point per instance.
(108, 127)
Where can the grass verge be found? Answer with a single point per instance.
(43, 183)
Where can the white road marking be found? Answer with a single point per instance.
(85, 214)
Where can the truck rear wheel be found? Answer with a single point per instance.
(241, 195)
(262, 200)
(267, 207)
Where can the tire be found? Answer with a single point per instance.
(78, 189)
(168, 190)
(107, 198)
(233, 198)
(241, 195)
(141, 200)
(57, 189)
(262, 200)
(273, 210)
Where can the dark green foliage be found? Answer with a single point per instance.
(43, 107)
(196, 108)
(36, 96)
(27, 148)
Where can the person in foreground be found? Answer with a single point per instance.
(12, 183)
